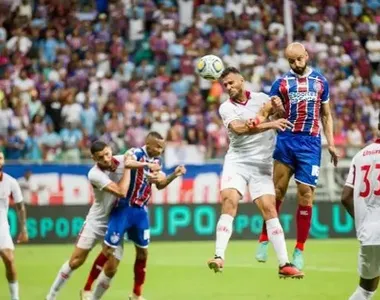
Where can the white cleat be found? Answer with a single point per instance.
(85, 295)
(135, 297)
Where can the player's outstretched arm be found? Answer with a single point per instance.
(164, 181)
(348, 200)
(327, 123)
(132, 163)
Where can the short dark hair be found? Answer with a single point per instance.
(228, 71)
(97, 146)
(155, 134)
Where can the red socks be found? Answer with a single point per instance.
(304, 214)
(139, 269)
(97, 267)
(264, 235)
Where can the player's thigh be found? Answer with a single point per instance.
(139, 233)
(261, 189)
(6, 242)
(369, 262)
(281, 177)
(87, 237)
(283, 150)
(117, 225)
(308, 161)
(234, 177)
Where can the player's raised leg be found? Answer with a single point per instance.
(305, 195)
(281, 176)
(7, 256)
(230, 200)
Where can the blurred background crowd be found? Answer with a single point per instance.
(72, 71)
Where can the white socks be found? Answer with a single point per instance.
(223, 234)
(63, 275)
(13, 289)
(102, 286)
(361, 294)
(277, 237)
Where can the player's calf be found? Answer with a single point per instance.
(105, 277)
(7, 256)
(139, 271)
(77, 259)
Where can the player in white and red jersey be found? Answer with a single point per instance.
(10, 187)
(249, 163)
(361, 198)
(110, 178)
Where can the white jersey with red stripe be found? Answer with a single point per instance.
(364, 178)
(247, 148)
(302, 97)
(8, 187)
(97, 216)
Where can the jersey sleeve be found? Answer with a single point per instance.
(228, 115)
(16, 191)
(137, 153)
(325, 97)
(350, 181)
(98, 179)
(275, 89)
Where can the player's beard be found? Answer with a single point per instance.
(300, 71)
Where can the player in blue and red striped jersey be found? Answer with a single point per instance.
(130, 215)
(304, 95)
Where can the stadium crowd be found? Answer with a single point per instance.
(72, 71)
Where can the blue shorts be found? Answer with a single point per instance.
(301, 152)
(130, 220)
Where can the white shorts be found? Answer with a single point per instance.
(90, 235)
(258, 178)
(6, 241)
(369, 261)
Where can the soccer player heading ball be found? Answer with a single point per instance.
(304, 95)
(249, 163)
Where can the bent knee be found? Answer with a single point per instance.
(305, 195)
(8, 259)
(230, 201)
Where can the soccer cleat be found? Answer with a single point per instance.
(135, 297)
(262, 252)
(216, 264)
(85, 295)
(290, 271)
(298, 259)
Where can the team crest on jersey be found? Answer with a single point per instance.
(317, 86)
(115, 238)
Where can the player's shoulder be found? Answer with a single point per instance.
(225, 107)
(259, 96)
(94, 172)
(119, 158)
(318, 75)
(9, 178)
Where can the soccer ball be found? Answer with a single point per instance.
(210, 67)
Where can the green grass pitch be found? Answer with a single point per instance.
(179, 271)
